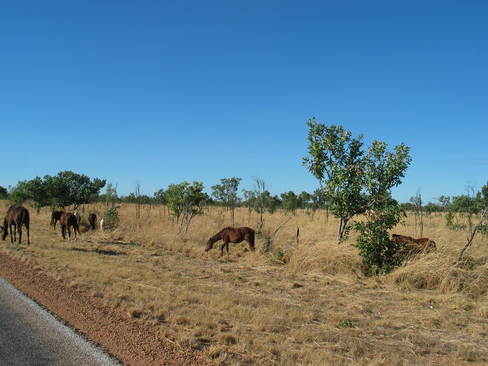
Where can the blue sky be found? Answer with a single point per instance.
(161, 92)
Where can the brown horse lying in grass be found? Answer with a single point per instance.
(67, 220)
(414, 246)
(16, 217)
(232, 235)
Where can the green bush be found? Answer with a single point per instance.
(111, 218)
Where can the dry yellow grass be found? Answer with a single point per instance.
(252, 308)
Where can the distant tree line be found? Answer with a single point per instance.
(69, 189)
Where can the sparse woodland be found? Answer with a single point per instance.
(296, 300)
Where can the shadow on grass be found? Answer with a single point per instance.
(99, 251)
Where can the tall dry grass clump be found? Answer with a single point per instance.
(441, 270)
(296, 300)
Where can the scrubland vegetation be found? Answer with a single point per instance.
(294, 301)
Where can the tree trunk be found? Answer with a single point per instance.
(473, 233)
(342, 227)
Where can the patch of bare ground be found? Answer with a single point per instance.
(119, 335)
(295, 301)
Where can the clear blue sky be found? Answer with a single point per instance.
(161, 92)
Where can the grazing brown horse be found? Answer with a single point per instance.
(16, 217)
(55, 218)
(67, 220)
(231, 235)
(414, 246)
(92, 219)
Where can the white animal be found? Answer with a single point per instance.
(102, 223)
(78, 217)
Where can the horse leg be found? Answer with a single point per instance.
(19, 228)
(63, 231)
(13, 235)
(222, 249)
(227, 248)
(69, 233)
(28, 236)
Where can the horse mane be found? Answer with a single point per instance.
(218, 236)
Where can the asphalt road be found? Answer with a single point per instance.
(29, 335)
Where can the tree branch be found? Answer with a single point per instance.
(473, 233)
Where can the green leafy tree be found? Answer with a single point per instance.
(319, 199)
(185, 201)
(432, 207)
(466, 205)
(111, 218)
(356, 182)
(335, 159)
(481, 206)
(249, 199)
(273, 203)
(445, 202)
(226, 192)
(3, 193)
(35, 191)
(160, 197)
(305, 200)
(63, 190)
(72, 189)
(289, 201)
(111, 196)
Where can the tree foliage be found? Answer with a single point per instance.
(374, 243)
(358, 181)
(480, 205)
(289, 201)
(3, 192)
(226, 192)
(63, 190)
(335, 159)
(72, 189)
(185, 201)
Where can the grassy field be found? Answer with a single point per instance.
(291, 302)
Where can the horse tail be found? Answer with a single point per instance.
(251, 238)
(26, 218)
(26, 222)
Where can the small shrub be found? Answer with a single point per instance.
(111, 218)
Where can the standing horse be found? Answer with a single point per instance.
(231, 235)
(67, 220)
(55, 218)
(92, 219)
(16, 217)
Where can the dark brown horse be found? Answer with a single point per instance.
(92, 219)
(231, 235)
(67, 220)
(55, 218)
(16, 217)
